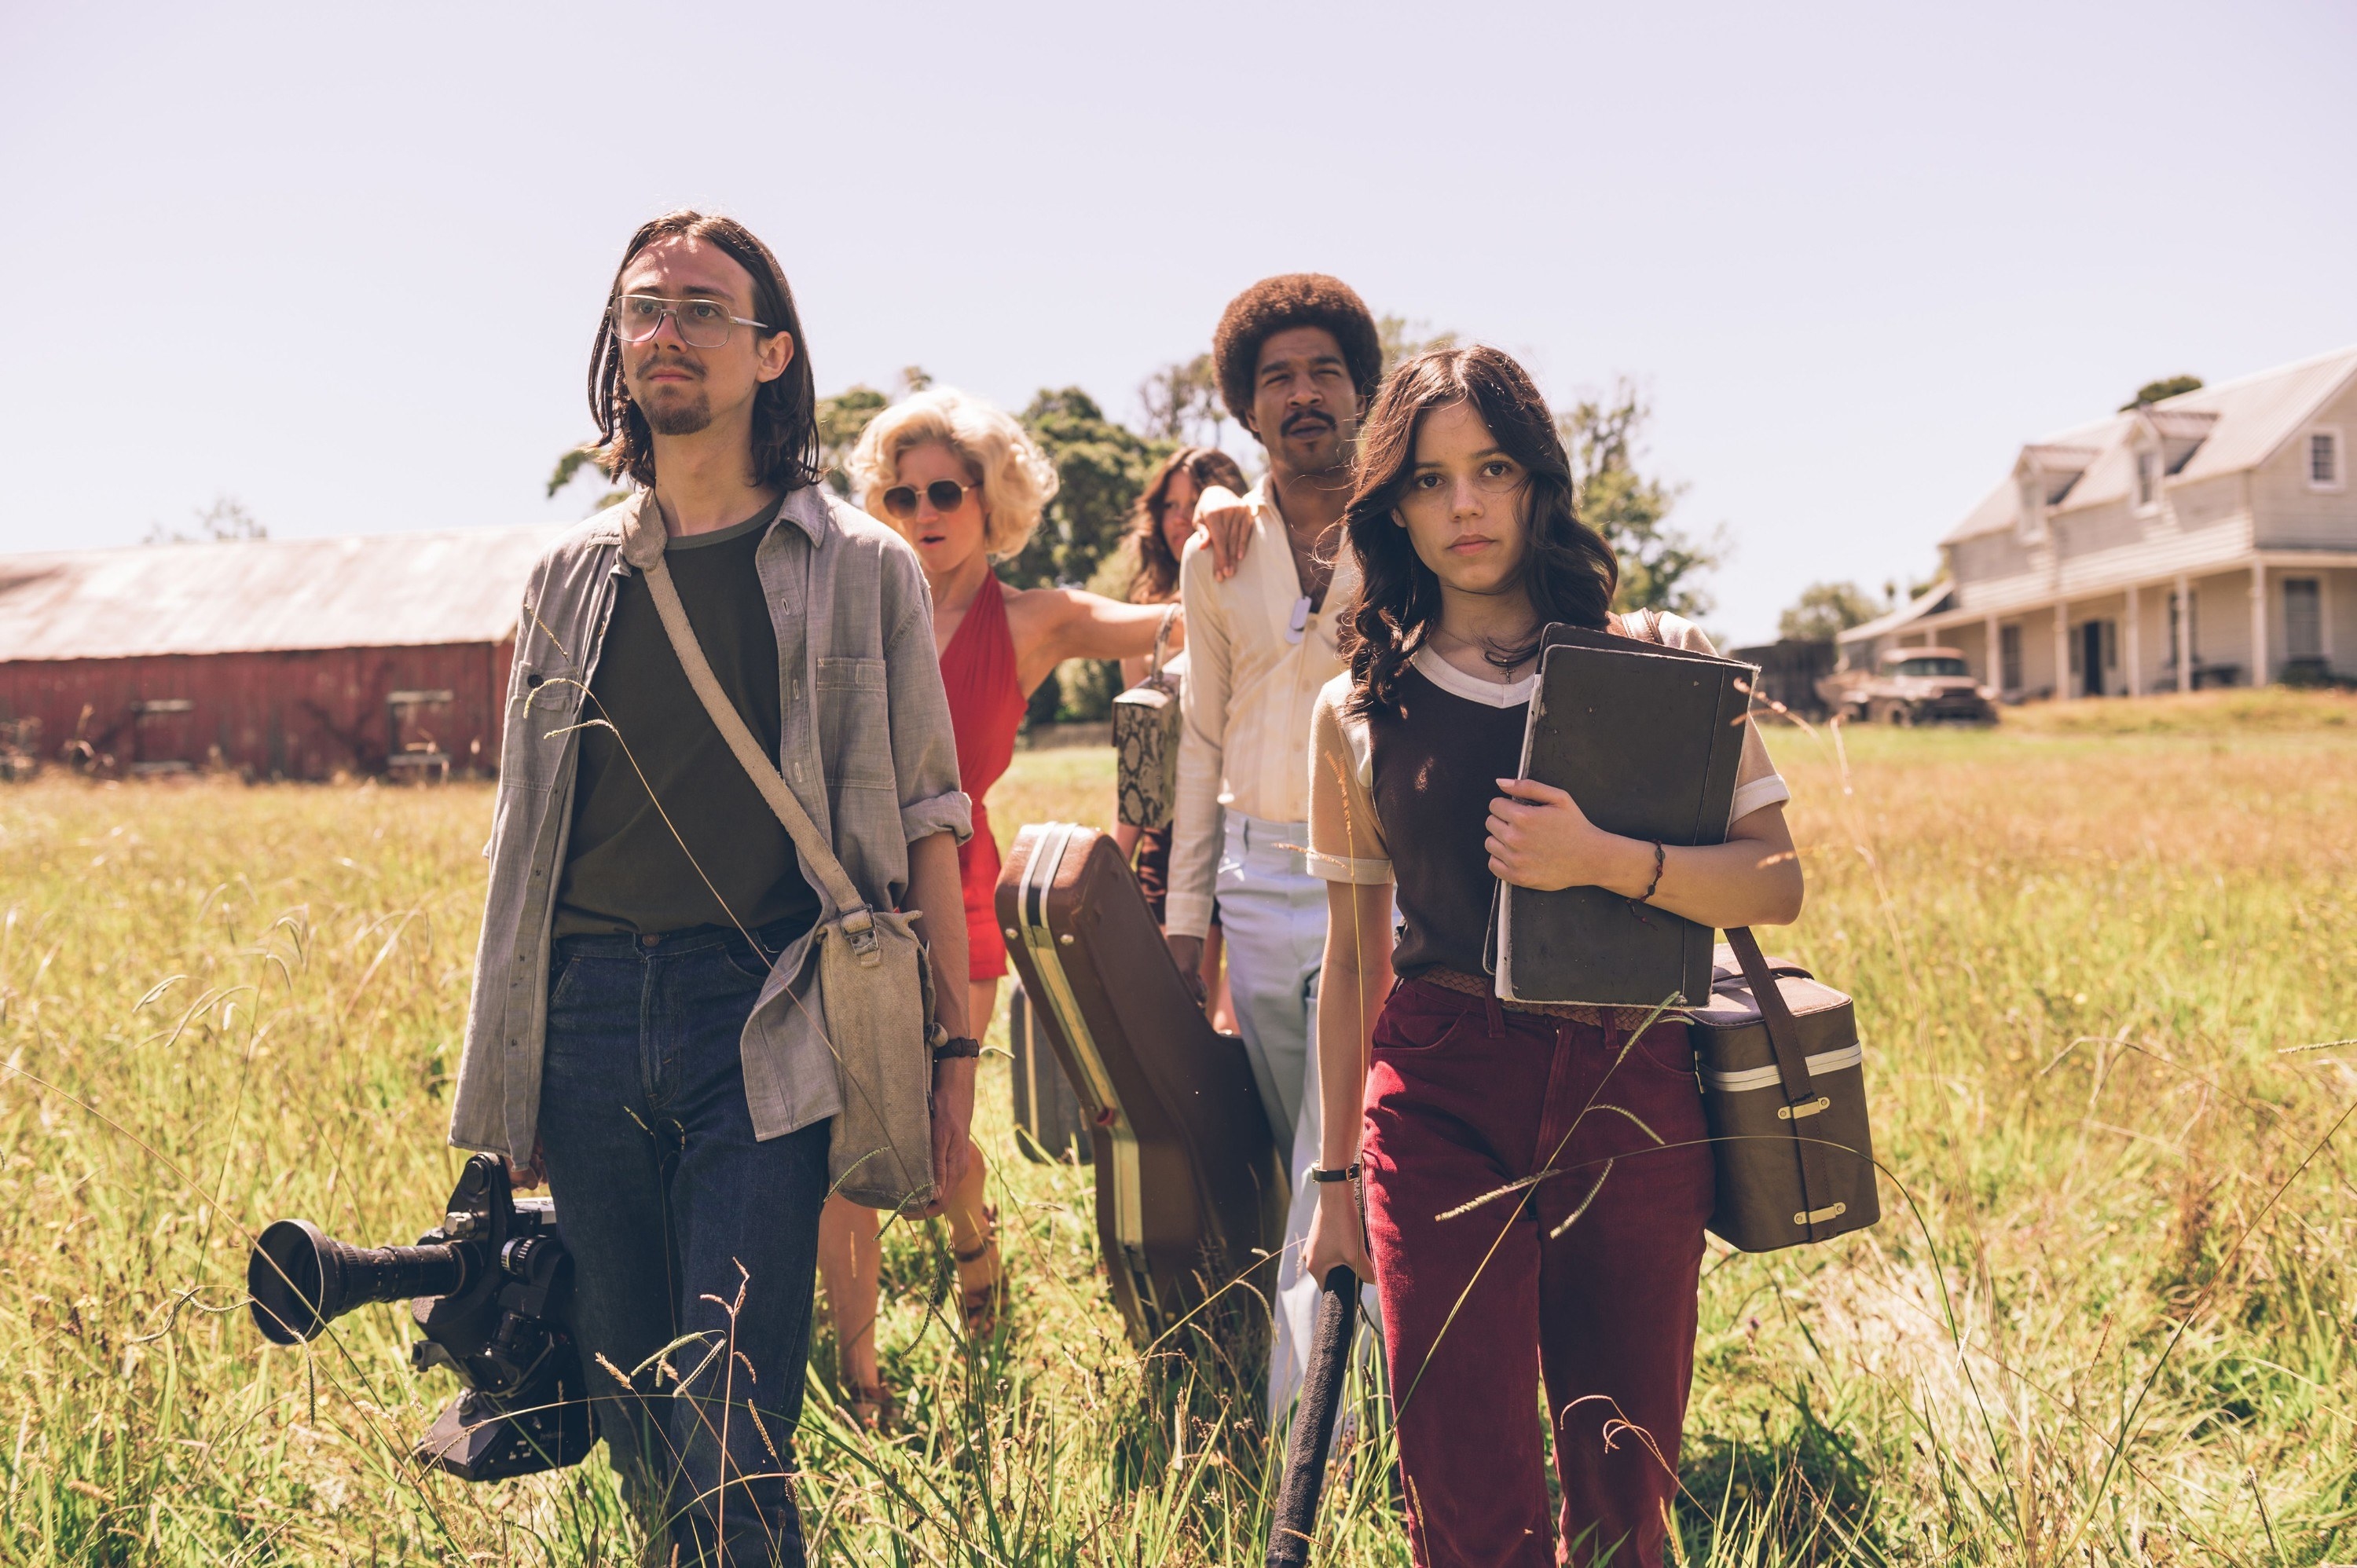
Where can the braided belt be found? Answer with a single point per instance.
(1598, 1017)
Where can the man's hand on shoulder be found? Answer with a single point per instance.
(1227, 524)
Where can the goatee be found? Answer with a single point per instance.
(683, 416)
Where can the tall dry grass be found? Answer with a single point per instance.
(2107, 1318)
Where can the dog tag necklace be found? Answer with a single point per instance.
(1298, 626)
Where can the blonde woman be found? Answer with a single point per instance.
(965, 485)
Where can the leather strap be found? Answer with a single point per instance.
(816, 853)
(1793, 1065)
(1784, 1034)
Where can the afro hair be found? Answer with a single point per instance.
(1289, 300)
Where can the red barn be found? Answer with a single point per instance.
(278, 658)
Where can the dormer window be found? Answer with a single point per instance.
(2148, 479)
(2324, 461)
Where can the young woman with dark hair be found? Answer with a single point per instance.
(1161, 525)
(1164, 520)
(1535, 1178)
(1160, 530)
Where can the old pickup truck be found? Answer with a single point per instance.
(1913, 686)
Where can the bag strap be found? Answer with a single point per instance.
(1162, 639)
(1784, 1034)
(816, 853)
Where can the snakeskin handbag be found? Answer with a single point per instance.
(1146, 722)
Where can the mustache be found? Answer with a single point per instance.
(667, 362)
(1306, 418)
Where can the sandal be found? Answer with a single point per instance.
(981, 1304)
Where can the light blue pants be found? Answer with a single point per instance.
(1273, 914)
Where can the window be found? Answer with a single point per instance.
(2148, 479)
(1941, 665)
(2303, 619)
(2324, 459)
(2032, 525)
(2008, 642)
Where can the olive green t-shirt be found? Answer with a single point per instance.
(721, 853)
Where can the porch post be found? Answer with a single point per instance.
(2063, 651)
(2184, 632)
(1994, 653)
(2260, 674)
(2135, 644)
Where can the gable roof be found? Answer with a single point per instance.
(2240, 424)
(268, 595)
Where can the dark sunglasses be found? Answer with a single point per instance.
(901, 500)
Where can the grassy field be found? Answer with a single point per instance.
(2103, 957)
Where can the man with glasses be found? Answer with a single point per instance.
(637, 1031)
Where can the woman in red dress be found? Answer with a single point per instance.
(965, 485)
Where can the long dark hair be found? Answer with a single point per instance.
(1157, 568)
(1569, 572)
(785, 411)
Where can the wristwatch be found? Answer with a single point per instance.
(956, 1048)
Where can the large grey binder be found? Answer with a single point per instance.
(1647, 739)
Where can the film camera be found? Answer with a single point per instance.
(490, 1289)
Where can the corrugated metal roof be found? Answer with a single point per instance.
(2248, 421)
(269, 595)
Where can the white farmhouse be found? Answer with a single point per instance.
(2209, 538)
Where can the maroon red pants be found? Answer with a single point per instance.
(1465, 1097)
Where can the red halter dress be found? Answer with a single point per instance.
(986, 706)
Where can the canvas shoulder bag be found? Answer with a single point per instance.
(874, 990)
(1145, 720)
(1783, 1092)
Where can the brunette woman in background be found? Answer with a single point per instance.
(1512, 1226)
(1165, 522)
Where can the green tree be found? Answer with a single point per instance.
(1404, 339)
(569, 468)
(226, 519)
(1182, 403)
(1101, 467)
(841, 420)
(2169, 386)
(1660, 566)
(1825, 610)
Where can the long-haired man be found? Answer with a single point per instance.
(639, 1030)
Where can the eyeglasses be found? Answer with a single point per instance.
(702, 323)
(946, 495)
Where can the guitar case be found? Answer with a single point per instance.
(1191, 1192)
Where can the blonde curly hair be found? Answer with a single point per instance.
(1016, 478)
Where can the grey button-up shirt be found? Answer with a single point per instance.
(865, 745)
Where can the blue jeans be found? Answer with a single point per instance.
(682, 1224)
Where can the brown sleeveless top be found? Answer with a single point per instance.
(1437, 765)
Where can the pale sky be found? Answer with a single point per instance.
(344, 262)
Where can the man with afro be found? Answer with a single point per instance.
(1298, 359)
